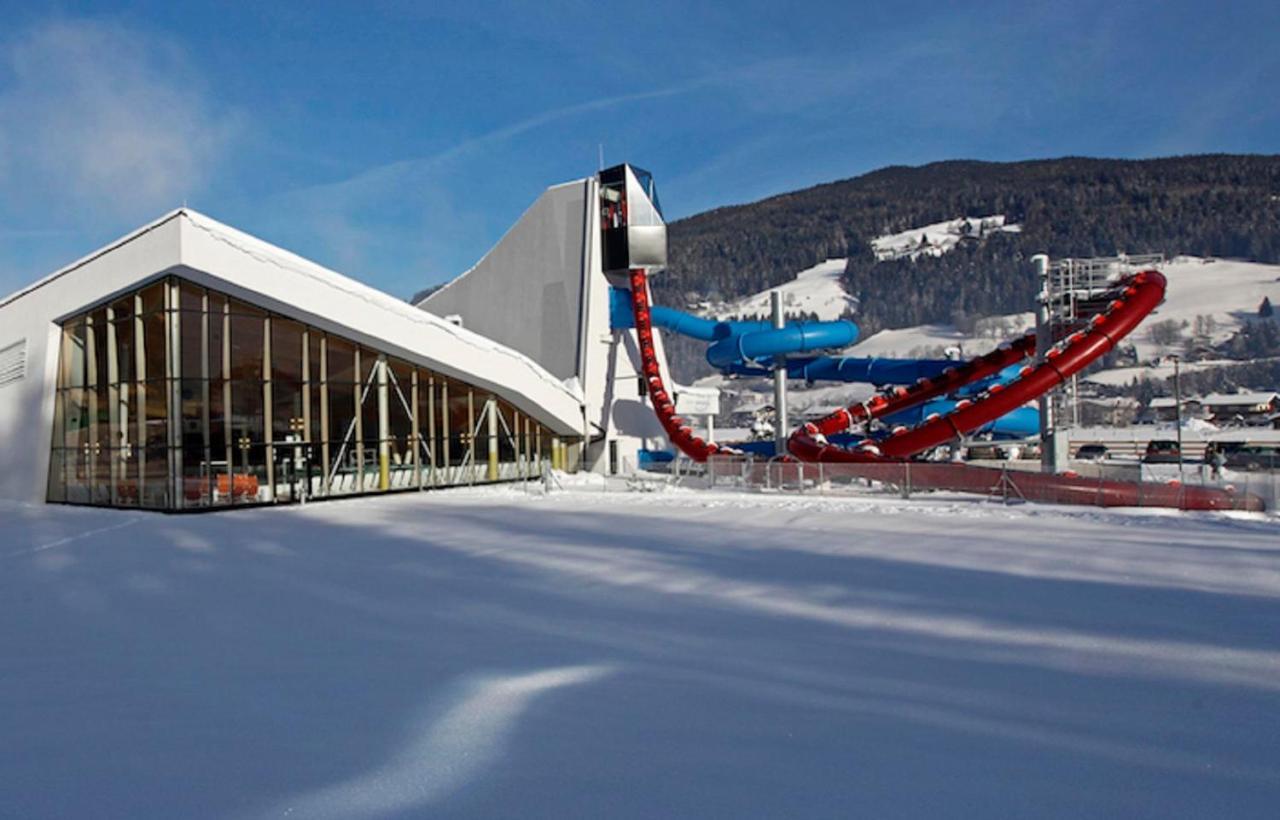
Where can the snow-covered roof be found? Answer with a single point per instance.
(1162, 402)
(1240, 398)
(208, 252)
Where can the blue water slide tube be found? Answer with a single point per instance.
(748, 347)
(735, 344)
(759, 345)
(1020, 423)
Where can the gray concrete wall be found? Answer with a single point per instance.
(527, 292)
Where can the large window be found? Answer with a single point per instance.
(178, 397)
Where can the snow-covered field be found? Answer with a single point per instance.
(814, 290)
(486, 653)
(939, 237)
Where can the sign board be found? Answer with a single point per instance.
(697, 401)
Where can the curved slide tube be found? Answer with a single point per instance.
(1121, 312)
(681, 434)
(749, 347)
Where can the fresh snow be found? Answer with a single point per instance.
(939, 237)
(814, 290)
(1228, 290)
(492, 653)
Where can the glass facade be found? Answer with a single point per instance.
(179, 397)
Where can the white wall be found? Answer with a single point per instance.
(26, 407)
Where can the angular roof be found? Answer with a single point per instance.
(204, 250)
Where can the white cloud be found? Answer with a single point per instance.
(104, 120)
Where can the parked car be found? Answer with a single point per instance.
(1252, 456)
(1162, 451)
(1092, 452)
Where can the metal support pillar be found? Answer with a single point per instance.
(491, 413)
(782, 426)
(384, 426)
(1050, 461)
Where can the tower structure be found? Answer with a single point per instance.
(545, 290)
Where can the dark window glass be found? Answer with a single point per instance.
(286, 350)
(286, 410)
(369, 416)
(217, 335)
(127, 485)
(217, 421)
(342, 403)
(153, 297)
(125, 350)
(190, 297)
(98, 372)
(245, 309)
(507, 437)
(341, 361)
(197, 479)
(246, 347)
(125, 396)
(101, 475)
(154, 471)
(122, 308)
(246, 413)
(314, 338)
(100, 407)
(153, 346)
(193, 405)
(400, 411)
(156, 406)
(192, 341)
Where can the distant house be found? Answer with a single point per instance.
(1242, 408)
(1164, 408)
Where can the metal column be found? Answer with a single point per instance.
(1049, 461)
(384, 426)
(782, 426)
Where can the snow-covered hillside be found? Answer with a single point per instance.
(814, 290)
(939, 237)
(1228, 291)
(483, 653)
(1210, 293)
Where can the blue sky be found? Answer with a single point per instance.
(397, 141)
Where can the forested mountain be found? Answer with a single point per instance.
(1213, 205)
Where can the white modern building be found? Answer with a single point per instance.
(189, 366)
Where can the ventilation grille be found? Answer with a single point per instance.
(13, 362)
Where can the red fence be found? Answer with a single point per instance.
(909, 476)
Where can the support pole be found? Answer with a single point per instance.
(781, 426)
(491, 409)
(384, 426)
(1049, 452)
(1177, 412)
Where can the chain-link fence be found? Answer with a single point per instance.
(1104, 488)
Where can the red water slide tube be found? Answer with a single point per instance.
(1114, 315)
(681, 434)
